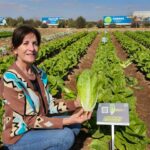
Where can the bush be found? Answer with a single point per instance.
(44, 25)
(62, 24)
(146, 24)
(80, 22)
(90, 24)
(135, 25)
(100, 24)
(113, 25)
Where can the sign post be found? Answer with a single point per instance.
(113, 114)
(112, 135)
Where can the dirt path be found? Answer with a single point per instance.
(83, 139)
(85, 63)
(142, 95)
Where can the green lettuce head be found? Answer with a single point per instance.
(87, 89)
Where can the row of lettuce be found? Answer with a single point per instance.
(60, 65)
(4, 34)
(113, 88)
(138, 53)
(49, 37)
(140, 37)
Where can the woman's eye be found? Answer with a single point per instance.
(36, 44)
(25, 43)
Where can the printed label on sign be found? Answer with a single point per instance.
(113, 114)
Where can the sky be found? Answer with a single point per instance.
(91, 10)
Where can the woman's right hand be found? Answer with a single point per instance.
(77, 117)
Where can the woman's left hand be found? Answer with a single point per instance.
(77, 103)
(79, 116)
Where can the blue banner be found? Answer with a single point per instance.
(118, 20)
(51, 20)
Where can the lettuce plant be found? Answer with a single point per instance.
(87, 89)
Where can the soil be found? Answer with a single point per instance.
(142, 95)
(85, 63)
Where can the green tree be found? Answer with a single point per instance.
(90, 24)
(100, 24)
(70, 23)
(80, 22)
(44, 25)
(62, 24)
(20, 21)
(33, 22)
(37, 23)
(11, 22)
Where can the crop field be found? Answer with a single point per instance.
(123, 68)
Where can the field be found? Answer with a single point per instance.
(124, 66)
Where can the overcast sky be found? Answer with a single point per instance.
(91, 10)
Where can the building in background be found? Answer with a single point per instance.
(141, 14)
(3, 21)
(142, 18)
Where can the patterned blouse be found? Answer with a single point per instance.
(26, 108)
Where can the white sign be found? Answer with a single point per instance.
(104, 40)
(113, 113)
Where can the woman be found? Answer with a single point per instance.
(28, 102)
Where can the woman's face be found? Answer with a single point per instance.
(26, 53)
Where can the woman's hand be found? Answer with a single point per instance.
(77, 117)
(77, 103)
